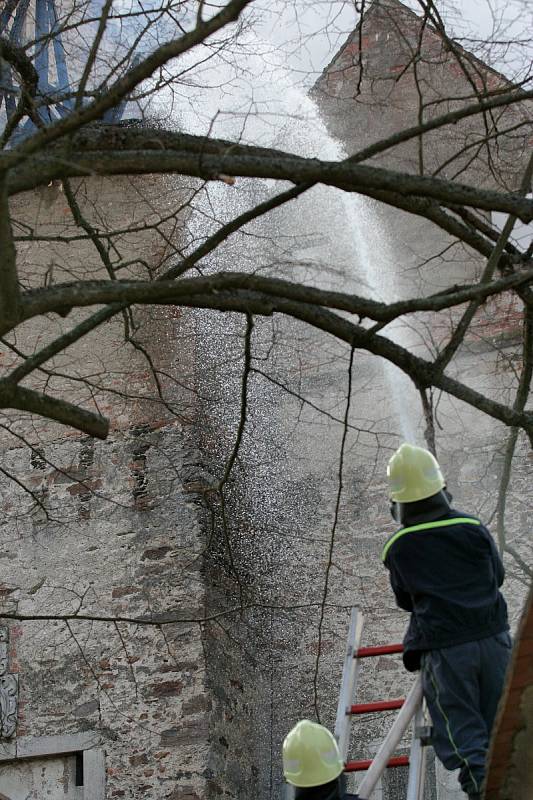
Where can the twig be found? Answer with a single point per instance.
(329, 564)
(519, 404)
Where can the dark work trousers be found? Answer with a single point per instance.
(462, 686)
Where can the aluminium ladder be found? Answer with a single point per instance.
(410, 709)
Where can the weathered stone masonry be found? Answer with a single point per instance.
(111, 531)
(184, 711)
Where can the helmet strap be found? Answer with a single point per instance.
(395, 511)
(427, 510)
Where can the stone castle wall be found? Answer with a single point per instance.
(105, 529)
(184, 710)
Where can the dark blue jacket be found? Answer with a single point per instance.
(447, 573)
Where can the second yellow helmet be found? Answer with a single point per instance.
(311, 755)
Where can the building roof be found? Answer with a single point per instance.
(397, 8)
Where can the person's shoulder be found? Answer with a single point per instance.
(464, 518)
(471, 523)
(393, 538)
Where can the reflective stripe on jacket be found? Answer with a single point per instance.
(447, 573)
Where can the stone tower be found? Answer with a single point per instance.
(102, 668)
(154, 644)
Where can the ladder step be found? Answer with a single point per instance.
(381, 650)
(380, 705)
(361, 766)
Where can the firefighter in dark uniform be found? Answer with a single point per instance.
(446, 571)
(312, 763)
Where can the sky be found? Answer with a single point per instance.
(265, 75)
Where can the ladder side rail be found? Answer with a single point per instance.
(417, 758)
(391, 741)
(348, 683)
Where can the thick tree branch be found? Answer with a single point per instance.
(429, 209)
(277, 165)
(61, 298)
(234, 292)
(106, 137)
(422, 372)
(22, 399)
(9, 286)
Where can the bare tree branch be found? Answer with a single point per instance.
(123, 86)
(9, 285)
(62, 298)
(331, 545)
(17, 397)
(492, 264)
(519, 404)
(275, 164)
(29, 79)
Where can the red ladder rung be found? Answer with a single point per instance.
(360, 766)
(381, 650)
(379, 705)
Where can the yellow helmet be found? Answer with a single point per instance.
(311, 755)
(413, 474)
